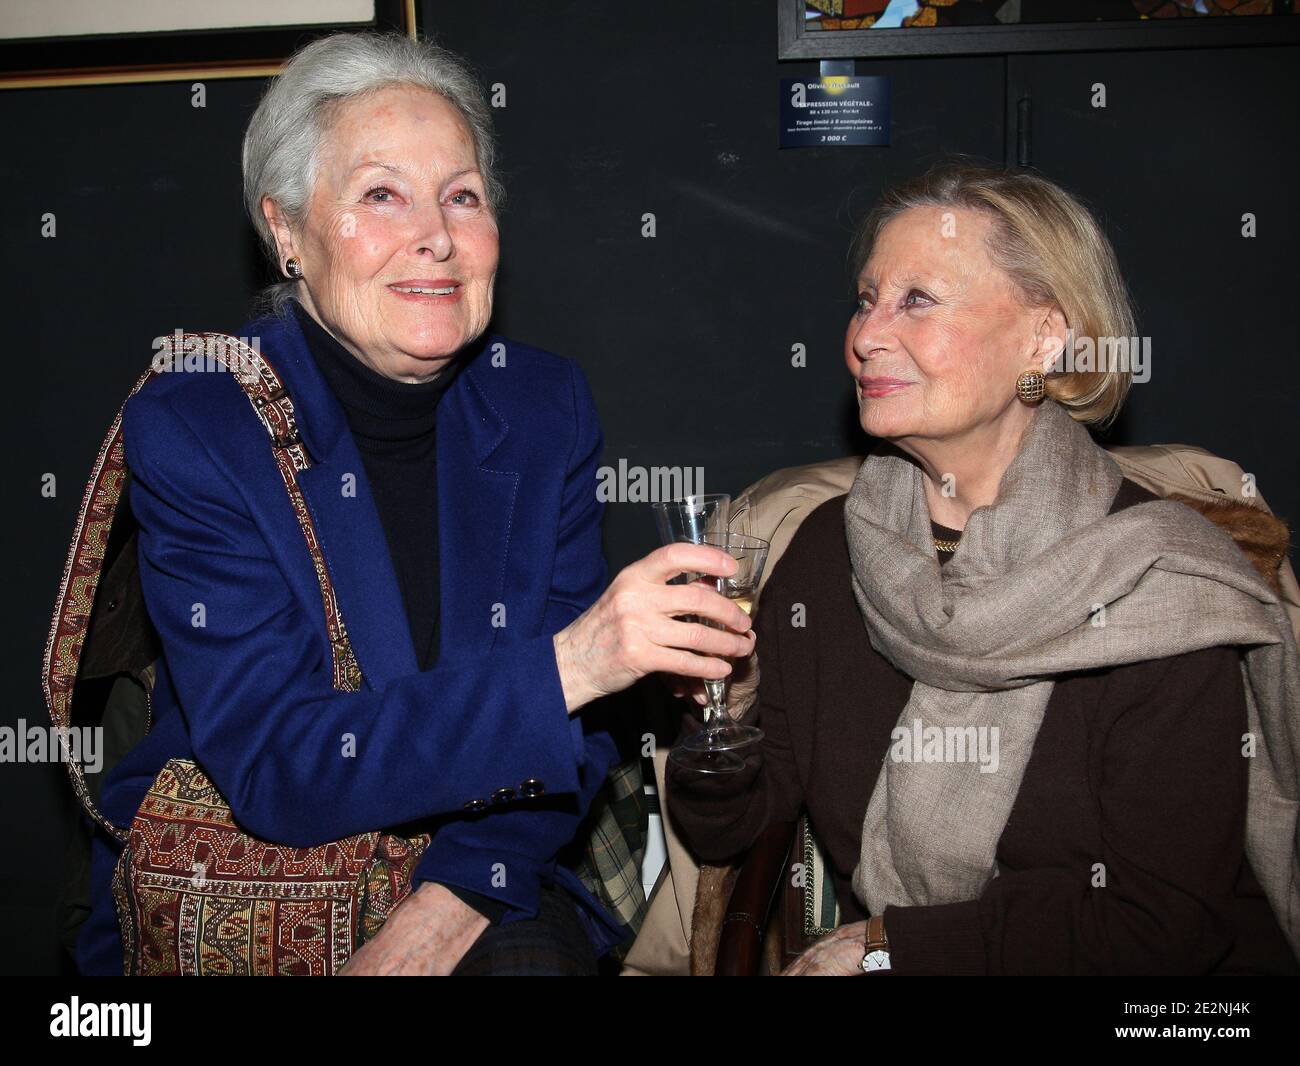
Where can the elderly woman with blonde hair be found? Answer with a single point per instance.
(380, 627)
(1041, 721)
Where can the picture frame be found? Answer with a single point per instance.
(796, 41)
(252, 45)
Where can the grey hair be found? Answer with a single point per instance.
(282, 143)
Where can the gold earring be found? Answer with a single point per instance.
(293, 268)
(1031, 387)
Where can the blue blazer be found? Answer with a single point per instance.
(248, 693)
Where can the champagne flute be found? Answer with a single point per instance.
(692, 519)
(722, 733)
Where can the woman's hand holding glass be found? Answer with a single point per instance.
(636, 627)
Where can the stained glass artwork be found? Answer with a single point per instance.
(831, 15)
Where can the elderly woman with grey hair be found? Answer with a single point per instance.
(446, 484)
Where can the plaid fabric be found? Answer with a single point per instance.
(610, 865)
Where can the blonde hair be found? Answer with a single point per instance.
(1049, 245)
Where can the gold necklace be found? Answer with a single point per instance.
(945, 545)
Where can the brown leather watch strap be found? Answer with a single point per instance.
(876, 940)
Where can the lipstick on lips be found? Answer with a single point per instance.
(427, 290)
(875, 387)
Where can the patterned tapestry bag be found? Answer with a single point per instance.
(195, 893)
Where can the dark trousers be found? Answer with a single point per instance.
(554, 944)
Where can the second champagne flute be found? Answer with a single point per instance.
(722, 733)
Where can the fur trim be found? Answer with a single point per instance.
(1264, 538)
(711, 900)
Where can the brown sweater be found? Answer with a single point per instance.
(1136, 768)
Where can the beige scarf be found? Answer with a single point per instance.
(1018, 605)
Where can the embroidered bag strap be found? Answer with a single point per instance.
(76, 599)
(83, 567)
(274, 407)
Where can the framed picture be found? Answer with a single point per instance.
(828, 29)
(104, 42)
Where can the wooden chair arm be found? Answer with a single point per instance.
(758, 885)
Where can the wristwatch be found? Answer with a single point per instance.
(877, 946)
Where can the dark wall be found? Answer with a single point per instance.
(1190, 142)
(614, 111)
(687, 337)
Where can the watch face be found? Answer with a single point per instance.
(875, 960)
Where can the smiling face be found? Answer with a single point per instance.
(940, 335)
(398, 247)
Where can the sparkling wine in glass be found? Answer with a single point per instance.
(722, 733)
(693, 519)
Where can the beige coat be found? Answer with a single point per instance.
(773, 508)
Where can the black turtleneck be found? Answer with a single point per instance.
(395, 426)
